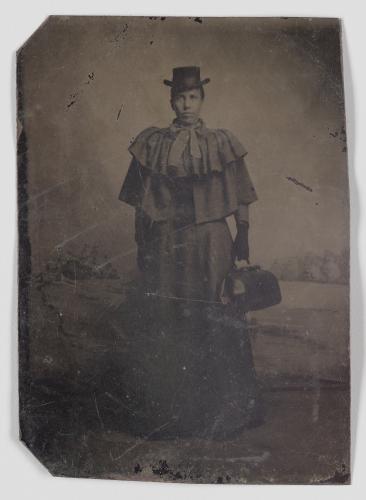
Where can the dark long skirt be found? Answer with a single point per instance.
(188, 261)
(189, 369)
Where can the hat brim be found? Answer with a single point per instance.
(169, 83)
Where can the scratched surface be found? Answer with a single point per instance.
(69, 415)
(86, 87)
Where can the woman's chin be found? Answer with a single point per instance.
(188, 119)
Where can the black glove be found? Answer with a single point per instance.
(143, 225)
(141, 258)
(241, 242)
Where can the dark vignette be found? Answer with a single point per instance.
(24, 250)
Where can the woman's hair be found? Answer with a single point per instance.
(174, 92)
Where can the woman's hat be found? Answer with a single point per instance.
(186, 78)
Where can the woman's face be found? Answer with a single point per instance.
(187, 105)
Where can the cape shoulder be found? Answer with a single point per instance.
(219, 148)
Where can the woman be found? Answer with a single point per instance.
(184, 180)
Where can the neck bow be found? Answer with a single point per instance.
(184, 135)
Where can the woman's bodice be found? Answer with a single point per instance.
(181, 189)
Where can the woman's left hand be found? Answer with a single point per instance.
(241, 242)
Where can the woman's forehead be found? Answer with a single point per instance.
(187, 92)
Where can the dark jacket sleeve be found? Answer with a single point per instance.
(245, 191)
(131, 193)
(133, 185)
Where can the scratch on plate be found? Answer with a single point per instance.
(141, 441)
(73, 237)
(298, 183)
(97, 409)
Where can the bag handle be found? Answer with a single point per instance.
(245, 264)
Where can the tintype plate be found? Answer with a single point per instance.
(184, 249)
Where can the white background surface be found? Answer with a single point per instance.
(21, 476)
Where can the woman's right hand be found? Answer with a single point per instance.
(141, 258)
(143, 225)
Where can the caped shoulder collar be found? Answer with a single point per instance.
(219, 147)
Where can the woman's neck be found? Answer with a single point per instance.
(181, 123)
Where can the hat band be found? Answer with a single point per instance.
(187, 83)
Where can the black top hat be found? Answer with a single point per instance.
(186, 78)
